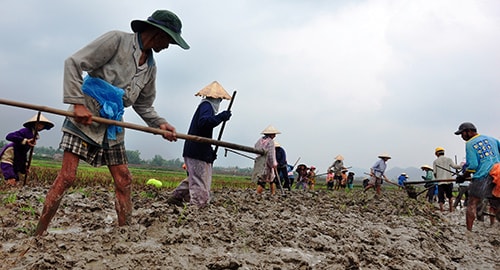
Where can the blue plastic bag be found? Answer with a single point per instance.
(109, 97)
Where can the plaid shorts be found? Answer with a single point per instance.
(92, 154)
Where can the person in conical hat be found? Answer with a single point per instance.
(377, 173)
(121, 72)
(270, 130)
(337, 167)
(431, 187)
(13, 155)
(266, 173)
(198, 156)
(214, 90)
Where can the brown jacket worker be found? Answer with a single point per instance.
(121, 73)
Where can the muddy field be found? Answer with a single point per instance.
(243, 230)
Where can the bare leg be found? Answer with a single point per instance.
(123, 189)
(63, 181)
(471, 212)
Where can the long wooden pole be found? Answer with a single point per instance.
(134, 126)
(431, 181)
(224, 123)
(32, 148)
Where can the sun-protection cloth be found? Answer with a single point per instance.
(426, 167)
(214, 90)
(43, 120)
(464, 126)
(166, 21)
(385, 155)
(270, 130)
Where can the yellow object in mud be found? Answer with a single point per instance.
(154, 182)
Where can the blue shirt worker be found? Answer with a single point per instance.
(402, 180)
(199, 156)
(482, 154)
(377, 173)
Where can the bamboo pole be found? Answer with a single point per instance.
(224, 123)
(431, 181)
(32, 148)
(128, 125)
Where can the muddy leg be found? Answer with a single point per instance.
(123, 188)
(63, 181)
(471, 212)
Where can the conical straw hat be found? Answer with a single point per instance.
(270, 130)
(214, 90)
(384, 155)
(339, 157)
(43, 120)
(276, 143)
(426, 167)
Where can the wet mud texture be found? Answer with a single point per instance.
(243, 230)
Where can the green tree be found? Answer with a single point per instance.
(158, 161)
(134, 157)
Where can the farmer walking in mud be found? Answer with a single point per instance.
(441, 167)
(121, 73)
(482, 154)
(377, 174)
(337, 167)
(14, 155)
(402, 180)
(282, 165)
(198, 156)
(265, 166)
(430, 186)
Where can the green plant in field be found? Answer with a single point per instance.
(40, 199)
(29, 230)
(147, 194)
(28, 209)
(11, 198)
(85, 192)
(182, 217)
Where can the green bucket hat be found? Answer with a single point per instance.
(166, 21)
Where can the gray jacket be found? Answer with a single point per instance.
(113, 57)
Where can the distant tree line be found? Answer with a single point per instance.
(134, 158)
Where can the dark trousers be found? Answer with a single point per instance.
(462, 191)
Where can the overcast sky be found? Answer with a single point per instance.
(357, 78)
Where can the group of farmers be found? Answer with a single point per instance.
(121, 72)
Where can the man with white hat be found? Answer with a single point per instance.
(265, 166)
(121, 72)
(199, 156)
(377, 173)
(14, 154)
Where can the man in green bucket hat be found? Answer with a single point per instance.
(121, 72)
